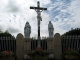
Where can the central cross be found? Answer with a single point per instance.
(38, 9)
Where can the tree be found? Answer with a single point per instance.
(6, 33)
(75, 31)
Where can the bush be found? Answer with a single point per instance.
(6, 54)
(70, 54)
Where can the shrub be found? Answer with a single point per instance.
(6, 54)
(71, 54)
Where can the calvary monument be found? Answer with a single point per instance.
(24, 44)
(27, 28)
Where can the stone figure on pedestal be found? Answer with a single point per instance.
(50, 29)
(27, 30)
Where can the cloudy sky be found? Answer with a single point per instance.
(64, 15)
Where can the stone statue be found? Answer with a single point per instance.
(50, 29)
(27, 30)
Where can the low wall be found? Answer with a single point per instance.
(24, 45)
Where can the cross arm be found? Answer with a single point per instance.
(38, 8)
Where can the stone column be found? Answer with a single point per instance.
(19, 46)
(57, 46)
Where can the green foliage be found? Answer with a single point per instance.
(75, 31)
(38, 51)
(6, 33)
(70, 54)
(38, 55)
(4, 54)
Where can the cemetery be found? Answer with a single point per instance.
(55, 47)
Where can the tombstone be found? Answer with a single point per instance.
(57, 46)
(50, 29)
(27, 30)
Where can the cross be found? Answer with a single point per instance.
(37, 9)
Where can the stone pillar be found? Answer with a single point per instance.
(27, 45)
(50, 45)
(57, 46)
(19, 46)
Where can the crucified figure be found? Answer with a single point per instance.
(38, 15)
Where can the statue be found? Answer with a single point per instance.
(27, 30)
(50, 29)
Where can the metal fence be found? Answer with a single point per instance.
(34, 44)
(8, 44)
(70, 42)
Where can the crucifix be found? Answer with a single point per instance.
(38, 9)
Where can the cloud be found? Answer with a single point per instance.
(64, 14)
(61, 13)
(13, 30)
(12, 6)
(1, 28)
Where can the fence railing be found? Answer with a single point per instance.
(70, 42)
(34, 44)
(8, 44)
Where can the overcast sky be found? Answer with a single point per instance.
(64, 15)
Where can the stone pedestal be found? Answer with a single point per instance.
(19, 46)
(27, 45)
(57, 46)
(50, 45)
